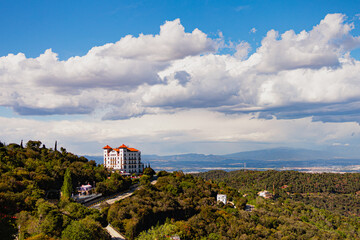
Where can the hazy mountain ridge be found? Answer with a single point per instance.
(275, 158)
(288, 154)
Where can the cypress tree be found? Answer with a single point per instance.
(66, 189)
(55, 146)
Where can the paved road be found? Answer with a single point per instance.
(114, 234)
(117, 198)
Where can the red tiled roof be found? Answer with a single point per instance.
(133, 150)
(122, 146)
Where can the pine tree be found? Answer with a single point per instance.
(66, 189)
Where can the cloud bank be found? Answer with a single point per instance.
(290, 75)
(185, 131)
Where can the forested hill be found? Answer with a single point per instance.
(181, 205)
(296, 182)
(331, 191)
(27, 174)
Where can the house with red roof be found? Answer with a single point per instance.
(123, 159)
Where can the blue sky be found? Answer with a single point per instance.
(73, 27)
(219, 77)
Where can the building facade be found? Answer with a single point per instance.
(221, 198)
(123, 159)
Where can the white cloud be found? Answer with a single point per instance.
(242, 50)
(253, 30)
(341, 144)
(320, 47)
(184, 129)
(290, 76)
(172, 43)
(46, 85)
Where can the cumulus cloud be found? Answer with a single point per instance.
(242, 50)
(320, 47)
(47, 85)
(290, 75)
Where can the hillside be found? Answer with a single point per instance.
(185, 206)
(31, 177)
(331, 191)
(304, 206)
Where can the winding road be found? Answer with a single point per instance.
(115, 234)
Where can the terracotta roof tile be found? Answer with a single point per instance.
(133, 150)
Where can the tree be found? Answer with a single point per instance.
(145, 180)
(85, 229)
(67, 188)
(149, 171)
(162, 173)
(34, 145)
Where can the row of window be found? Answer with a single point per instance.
(116, 158)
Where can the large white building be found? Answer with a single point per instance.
(123, 158)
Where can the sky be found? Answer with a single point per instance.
(172, 77)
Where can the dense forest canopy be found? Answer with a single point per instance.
(185, 206)
(29, 174)
(293, 181)
(331, 191)
(303, 206)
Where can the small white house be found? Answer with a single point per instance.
(221, 198)
(265, 194)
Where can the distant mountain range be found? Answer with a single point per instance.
(265, 155)
(275, 158)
